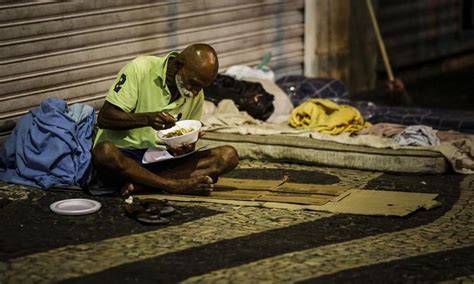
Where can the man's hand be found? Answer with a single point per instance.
(201, 134)
(161, 120)
(182, 149)
(113, 117)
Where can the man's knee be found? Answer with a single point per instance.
(106, 154)
(229, 156)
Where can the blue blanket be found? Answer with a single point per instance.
(50, 146)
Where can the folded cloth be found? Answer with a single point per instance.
(460, 153)
(417, 135)
(48, 147)
(383, 129)
(450, 135)
(227, 114)
(327, 117)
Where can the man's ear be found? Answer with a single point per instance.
(179, 62)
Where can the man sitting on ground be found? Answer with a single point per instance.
(148, 94)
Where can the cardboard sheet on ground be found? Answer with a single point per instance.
(379, 202)
(302, 196)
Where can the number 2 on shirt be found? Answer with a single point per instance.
(120, 82)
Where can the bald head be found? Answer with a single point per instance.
(200, 62)
(193, 69)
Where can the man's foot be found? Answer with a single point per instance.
(129, 188)
(201, 185)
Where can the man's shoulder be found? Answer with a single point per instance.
(153, 59)
(146, 60)
(145, 65)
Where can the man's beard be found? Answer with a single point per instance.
(181, 89)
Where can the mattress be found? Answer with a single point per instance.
(304, 150)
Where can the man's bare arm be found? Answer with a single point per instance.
(112, 117)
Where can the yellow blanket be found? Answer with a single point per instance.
(327, 117)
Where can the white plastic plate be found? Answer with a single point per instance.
(153, 155)
(77, 206)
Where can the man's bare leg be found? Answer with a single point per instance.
(212, 162)
(190, 177)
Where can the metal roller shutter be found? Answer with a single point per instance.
(73, 50)
(420, 32)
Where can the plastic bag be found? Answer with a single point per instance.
(247, 96)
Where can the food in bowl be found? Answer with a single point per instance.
(184, 132)
(178, 132)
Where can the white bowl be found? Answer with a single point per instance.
(187, 138)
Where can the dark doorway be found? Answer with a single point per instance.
(468, 15)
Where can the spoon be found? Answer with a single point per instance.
(178, 117)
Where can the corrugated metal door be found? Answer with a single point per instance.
(73, 50)
(421, 32)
